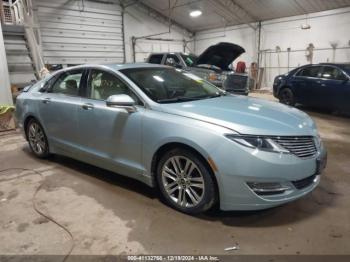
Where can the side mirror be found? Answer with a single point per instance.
(179, 66)
(122, 101)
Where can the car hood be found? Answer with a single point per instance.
(247, 115)
(220, 55)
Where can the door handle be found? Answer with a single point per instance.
(46, 100)
(87, 106)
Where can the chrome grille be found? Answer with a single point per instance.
(301, 146)
(235, 82)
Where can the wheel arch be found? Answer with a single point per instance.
(26, 122)
(172, 145)
(284, 87)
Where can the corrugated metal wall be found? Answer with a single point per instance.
(80, 31)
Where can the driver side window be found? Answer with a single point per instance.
(103, 84)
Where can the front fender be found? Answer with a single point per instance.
(162, 128)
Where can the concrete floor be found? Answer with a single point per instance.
(110, 214)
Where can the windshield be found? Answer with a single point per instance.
(168, 85)
(190, 60)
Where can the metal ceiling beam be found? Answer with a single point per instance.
(162, 17)
(237, 10)
(220, 9)
(183, 4)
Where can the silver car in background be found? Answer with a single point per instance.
(173, 130)
(213, 65)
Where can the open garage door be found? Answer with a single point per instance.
(79, 32)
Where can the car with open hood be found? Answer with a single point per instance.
(173, 130)
(213, 65)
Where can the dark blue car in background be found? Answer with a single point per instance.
(319, 85)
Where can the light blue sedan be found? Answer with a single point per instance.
(171, 129)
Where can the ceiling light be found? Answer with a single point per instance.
(305, 26)
(195, 13)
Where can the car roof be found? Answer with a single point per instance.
(323, 64)
(133, 65)
(164, 53)
(117, 67)
(335, 64)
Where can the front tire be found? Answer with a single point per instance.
(37, 139)
(185, 182)
(286, 96)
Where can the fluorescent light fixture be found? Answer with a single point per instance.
(195, 13)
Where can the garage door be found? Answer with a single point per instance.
(80, 31)
(144, 48)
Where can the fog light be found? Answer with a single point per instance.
(267, 188)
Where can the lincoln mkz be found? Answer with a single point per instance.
(173, 130)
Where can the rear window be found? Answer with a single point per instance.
(330, 72)
(155, 59)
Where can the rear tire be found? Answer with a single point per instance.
(37, 139)
(185, 182)
(286, 96)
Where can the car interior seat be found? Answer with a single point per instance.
(71, 87)
(106, 85)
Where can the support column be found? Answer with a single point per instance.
(5, 88)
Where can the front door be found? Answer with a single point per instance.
(58, 110)
(306, 83)
(110, 137)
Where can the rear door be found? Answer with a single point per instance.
(335, 88)
(305, 83)
(58, 109)
(109, 136)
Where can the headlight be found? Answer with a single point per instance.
(318, 141)
(257, 142)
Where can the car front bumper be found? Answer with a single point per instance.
(238, 168)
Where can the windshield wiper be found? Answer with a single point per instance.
(186, 99)
(177, 99)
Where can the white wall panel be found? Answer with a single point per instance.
(326, 27)
(139, 23)
(78, 32)
(241, 35)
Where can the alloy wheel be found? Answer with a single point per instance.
(36, 138)
(286, 97)
(183, 181)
